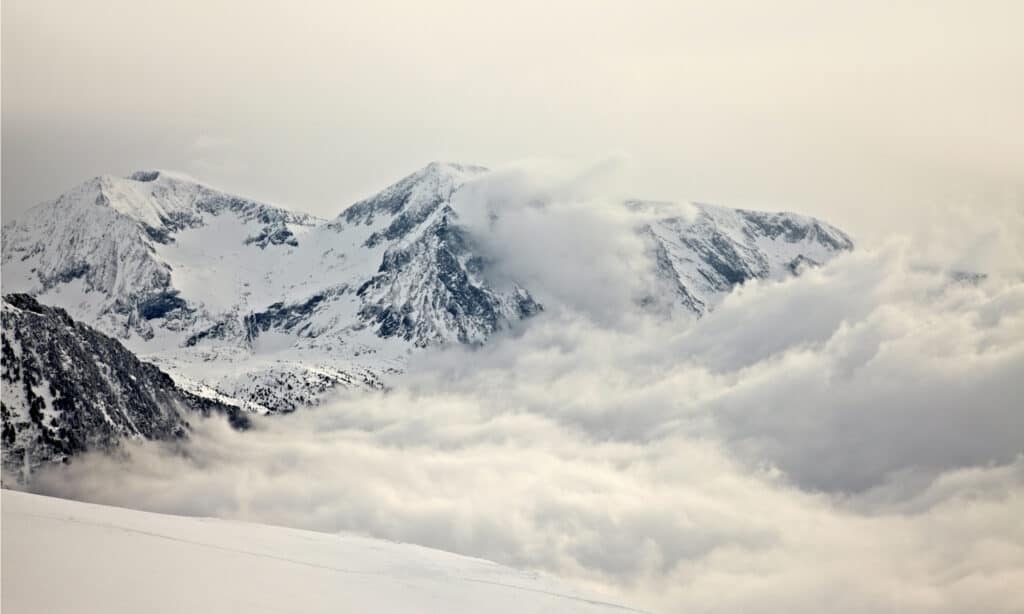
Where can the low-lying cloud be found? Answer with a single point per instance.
(564, 233)
(847, 441)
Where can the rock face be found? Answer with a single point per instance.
(68, 388)
(240, 300)
(703, 257)
(429, 287)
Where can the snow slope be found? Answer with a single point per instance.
(67, 556)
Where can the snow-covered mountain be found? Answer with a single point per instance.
(254, 304)
(67, 388)
(704, 256)
(160, 563)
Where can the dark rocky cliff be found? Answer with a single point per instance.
(68, 388)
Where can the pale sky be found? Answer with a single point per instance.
(847, 441)
(867, 113)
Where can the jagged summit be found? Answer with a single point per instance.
(428, 287)
(149, 175)
(414, 196)
(144, 176)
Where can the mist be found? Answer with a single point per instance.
(847, 440)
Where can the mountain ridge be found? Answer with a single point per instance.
(242, 300)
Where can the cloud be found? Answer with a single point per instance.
(845, 441)
(867, 368)
(562, 231)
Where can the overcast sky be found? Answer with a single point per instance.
(868, 113)
(848, 440)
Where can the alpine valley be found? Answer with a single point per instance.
(263, 309)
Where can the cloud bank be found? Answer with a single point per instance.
(846, 441)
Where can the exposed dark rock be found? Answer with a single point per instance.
(145, 176)
(273, 235)
(160, 235)
(292, 318)
(68, 388)
(968, 278)
(69, 273)
(404, 223)
(159, 305)
(220, 330)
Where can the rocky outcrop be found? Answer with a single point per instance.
(68, 388)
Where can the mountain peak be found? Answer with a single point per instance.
(163, 175)
(144, 176)
(416, 194)
(440, 166)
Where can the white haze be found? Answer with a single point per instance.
(847, 441)
(873, 114)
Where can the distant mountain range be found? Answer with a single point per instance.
(256, 307)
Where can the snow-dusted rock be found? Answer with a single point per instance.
(704, 257)
(67, 388)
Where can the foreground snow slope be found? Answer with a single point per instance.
(66, 556)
